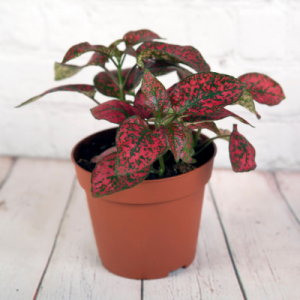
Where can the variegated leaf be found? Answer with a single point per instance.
(88, 90)
(82, 48)
(242, 153)
(179, 54)
(132, 38)
(215, 116)
(139, 103)
(188, 149)
(205, 93)
(157, 100)
(63, 71)
(176, 137)
(105, 84)
(138, 146)
(115, 111)
(130, 51)
(263, 88)
(246, 101)
(105, 182)
(108, 151)
(206, 125)
(183, 73)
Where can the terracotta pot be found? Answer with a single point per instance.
(152, 229)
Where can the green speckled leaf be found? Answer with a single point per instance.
(242, 153)
(106, 182)
(82, 48)
(88, 90)
(246, 101)
(206, 125)
(188, 149)
(132, 38)
(179, 54)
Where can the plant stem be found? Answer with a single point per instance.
(208, 142)
(128, 74)
(121, 87)
(197, 136)
(152, 170)
(96, 101)
(112, 76)
(162, 166)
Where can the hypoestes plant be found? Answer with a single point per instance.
(161, 121)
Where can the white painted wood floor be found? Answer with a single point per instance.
(249, 243)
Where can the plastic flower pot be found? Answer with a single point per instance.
(152, 229)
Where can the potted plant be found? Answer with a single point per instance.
(145, 180)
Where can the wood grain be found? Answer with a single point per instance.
(5, 165)
(211, 275)
(263, 234)
(75, 270)
(34, 199)
(289, 185)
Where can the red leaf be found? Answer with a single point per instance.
(157, 100)
(215, 116)
(82, 48)
(183, 73)
(63, 71)
(242, 153)
(88, 90)
(188, 149)
(115, 111)
(105, 182)
(176, 139)
(184, 54)
(132, 38)
(205, 93)
(206, 125)
(263, 88)
(138, 146)
(105, 84)
(139, 103)
(108, 151)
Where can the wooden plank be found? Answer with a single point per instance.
(262, 233)
(5, 165)
(75, 270)
(289, 185)
(211, 275)
(35, 196)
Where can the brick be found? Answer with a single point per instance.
(211, 30)
(262, 33)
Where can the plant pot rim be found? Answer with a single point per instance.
(145, 181)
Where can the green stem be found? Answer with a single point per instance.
(128, 74)
(152, 170)
(123, 58)
(208, 142)
(197, 136)
(121, 87)
(112, 76)
(96, 101)
(162, 166)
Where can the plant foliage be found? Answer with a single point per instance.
(161, 121)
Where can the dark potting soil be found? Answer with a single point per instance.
(97, 146)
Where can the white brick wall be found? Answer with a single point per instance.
(234, 36)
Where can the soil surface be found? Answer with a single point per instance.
(96, 147)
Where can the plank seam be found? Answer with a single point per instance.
(13, 163)
(56, 238)
(142, 289)
(285, 199)
(227, 244)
